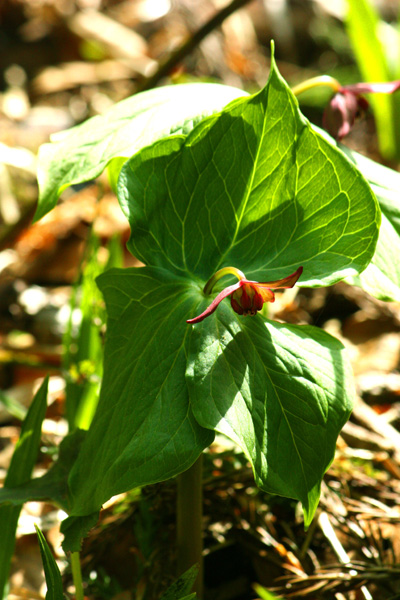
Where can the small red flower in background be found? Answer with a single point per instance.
(247, 297)
(348, 103)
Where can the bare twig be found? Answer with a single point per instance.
(187, 47)
(329, 532)
(366, 415)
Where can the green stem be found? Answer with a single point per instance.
(221, 273)
(189, 522)
(77, 575)
(320, 81)
(308, 539)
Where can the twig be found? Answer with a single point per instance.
(186, 48)
(368, 417)
(329, 532)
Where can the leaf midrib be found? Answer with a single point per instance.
(250, 185)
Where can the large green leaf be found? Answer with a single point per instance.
(82, 153)
(255, 187)
(382, 276)
(384, 182)
(143, 430)
(281, 392)
(20, 469)
(52, 486)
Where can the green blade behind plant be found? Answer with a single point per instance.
(363, 29)
(263, 593)
(51, 570)
(12, 406)
(84, 362)
(20, 470)
(180, 589)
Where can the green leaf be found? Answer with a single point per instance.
(255, 187)
(374, 172)
(113, 171)
(382, 276)
(51, 570)
(363, 29)
(82, 153)
(281, 392)
(20, 469)
(75, 529)
(53, 485)
(389, 202)
(180, 589)
(143, 430)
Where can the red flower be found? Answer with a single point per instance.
(247, 297)
(348, 103)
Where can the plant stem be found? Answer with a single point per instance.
(77, 575)
(321, 80)
(189, 522)
(221, 273)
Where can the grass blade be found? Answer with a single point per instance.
(363, 29)
(20, 470)
(51, 570)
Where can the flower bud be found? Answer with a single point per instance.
(247, 300)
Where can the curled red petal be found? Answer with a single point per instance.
(286, 282)
(340, 114)
(236, 306)
(214, 304)
(383, 87)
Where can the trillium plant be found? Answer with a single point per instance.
(217, 184)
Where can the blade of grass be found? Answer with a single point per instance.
(263, 593)
(51, 570)
(363, 29)
(12, 406)
(76, 344)
(20, 470)
(181, 587)
(84, 363)
(83, 348)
